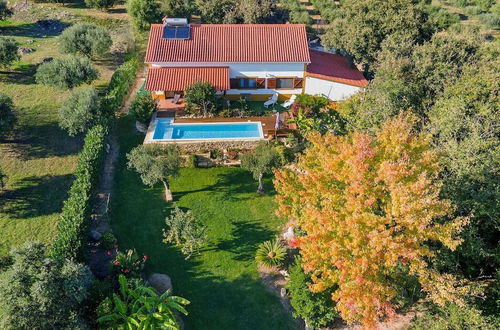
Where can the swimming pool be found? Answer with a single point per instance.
(167, 130)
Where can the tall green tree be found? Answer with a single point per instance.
(201, 98)
(215, 11)
(155, 163)
(137, 306)
(465, 125)
(362, 25)
(80, 111)
(66, 73)
(38, 292)
(7, 116)
(85, 39)
(263, 160)
(144, 13)
(177, 8)
(8, 51)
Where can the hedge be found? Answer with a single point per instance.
(71, 235)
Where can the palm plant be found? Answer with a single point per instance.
(139, 307)
(271, 253)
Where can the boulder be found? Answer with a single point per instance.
(160, 282)
(288, 235)
(95, 235)
(141, 127)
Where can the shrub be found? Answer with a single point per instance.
(108, 241)
(85, 39)
(6, 262)
(120, 83)
(143, 107)
(73, 224)
(492, 20)
(100, 4)
(4, 11)
(64, 73)
(143, 13)
(139, 307)
(129, 263)
(317, 309)
(38, 292)
(7, 116)
(271, 253)
(201, 98)
(452, 316)
(80, 111)
(8, 51)
(192, 161)
(185, 231)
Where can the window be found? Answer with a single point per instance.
(284, 83)
(247, 83)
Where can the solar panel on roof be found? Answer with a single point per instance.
(176, 32)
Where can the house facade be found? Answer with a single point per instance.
(253, 61)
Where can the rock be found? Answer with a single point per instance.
(284, 273)
(283, 292)
(30, 41)
(47, 59)
(288, 235)
(140, 127)
(95, 235)
(25, 50)
(160, 282)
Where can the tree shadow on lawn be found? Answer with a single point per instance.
(43, 141)
(23, 74)
(36, 196)
(39, 29)
(246, 236)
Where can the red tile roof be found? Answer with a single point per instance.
(178, 78)
(334, 68)
(229, 43)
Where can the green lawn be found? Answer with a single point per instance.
(222, 283)
(39, 158)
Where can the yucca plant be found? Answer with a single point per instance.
(271, 253)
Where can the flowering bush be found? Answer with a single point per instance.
(129, 263)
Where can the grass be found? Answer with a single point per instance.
(39, 158)
(222, 282)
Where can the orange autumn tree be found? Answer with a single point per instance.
(368, 205)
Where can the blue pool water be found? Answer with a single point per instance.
(166, 130)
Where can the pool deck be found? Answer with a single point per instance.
(268, 126)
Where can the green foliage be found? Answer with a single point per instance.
(85, 39)
(297, 12)
(72, 227)
(326, 8)
(255, 11)
(317, 309)
(491, 20)
(214, 11)
(271, 253)
(4, 11)
(453, 316)
(8, 51)
(362, 25)
(184, 230)
(100, 4)
(38, 292)
(312, 113)
(192, 161)
(144, 13)
(7, 116)
(464, 123)
(137, 306)
(143, 107)
(120, 83)
(129, 264)
(263, 160)
(201, 98)
(177, 8)
(108, 241)
(6, 262)
(80, 111)
(64, 73)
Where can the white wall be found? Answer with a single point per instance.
(333, 90)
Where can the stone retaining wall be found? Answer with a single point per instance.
(195, 147)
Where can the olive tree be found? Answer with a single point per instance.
(200, 97)
(155, 164)
(67, 72)
(85, 39)
(80, 111)
(143, 107)
(263, 160)
(38, 292)
(100, 4)
(144, 13)
(8, 51)
(7, 116)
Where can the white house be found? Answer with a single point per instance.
(250, 60)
